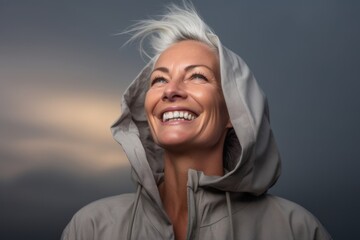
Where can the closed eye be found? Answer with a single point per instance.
(158, 80)
(198, 76)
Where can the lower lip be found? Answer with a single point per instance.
(177, 122)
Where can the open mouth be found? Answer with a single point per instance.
(178, 115)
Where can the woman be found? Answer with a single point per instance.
(195, 128)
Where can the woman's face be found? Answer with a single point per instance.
(184, 104)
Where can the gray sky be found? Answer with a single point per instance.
(62, 72)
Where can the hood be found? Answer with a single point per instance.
(255, 164)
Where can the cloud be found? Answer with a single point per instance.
(69, 125)
(56, 155)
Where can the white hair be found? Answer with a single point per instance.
(177, 24)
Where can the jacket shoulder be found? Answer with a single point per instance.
(303, 224)
(99, 219)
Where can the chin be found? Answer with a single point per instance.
(174, 141)
(170, 143)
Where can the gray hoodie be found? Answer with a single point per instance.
(234, 206)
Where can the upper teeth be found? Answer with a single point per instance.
(176, 115)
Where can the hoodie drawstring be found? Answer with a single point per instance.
(228, 203)
(133, 212)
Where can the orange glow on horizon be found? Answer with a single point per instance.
(71, 128)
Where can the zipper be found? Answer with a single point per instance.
(191, 214)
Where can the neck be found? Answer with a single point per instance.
(173, 190)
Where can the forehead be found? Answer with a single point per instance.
(188, 52)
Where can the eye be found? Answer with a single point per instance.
(158, 80)
(199, 76)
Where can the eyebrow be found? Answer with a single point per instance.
(190, 67)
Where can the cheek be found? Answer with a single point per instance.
(217, 103)
(204, 95)
(212, 99)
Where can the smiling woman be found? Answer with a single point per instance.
(186, 82)
(195, 128)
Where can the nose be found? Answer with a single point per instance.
(174, 91)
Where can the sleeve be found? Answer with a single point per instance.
(306, 226)
(79, 228)
(103, 219)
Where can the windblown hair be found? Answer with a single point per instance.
(177, 24)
